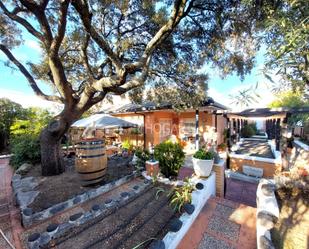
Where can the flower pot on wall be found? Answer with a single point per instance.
(202, 168)
(152, 168)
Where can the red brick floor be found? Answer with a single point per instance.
(9, 215)
(222, 224)
(241, 192)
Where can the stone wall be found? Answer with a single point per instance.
(300, 155)
(269, 169)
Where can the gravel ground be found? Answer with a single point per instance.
(222, 226)
(141, 219)
(209, 242)
(56, 189)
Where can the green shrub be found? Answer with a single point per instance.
(204, 155)
(254, 128)
(127, 145)
(25, 134)
(247, 131)
(25, 149)
(142, 156)
(170, 156)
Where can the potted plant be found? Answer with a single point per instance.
(203, 162)
(221, 147)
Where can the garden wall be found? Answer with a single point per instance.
(269, 166)
(300, 155)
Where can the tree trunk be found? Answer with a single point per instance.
(51, 154)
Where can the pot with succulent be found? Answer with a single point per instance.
(221, 147)
(203, 162)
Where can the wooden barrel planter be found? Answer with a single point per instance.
(91, 161)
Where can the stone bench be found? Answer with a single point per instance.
(252, 171)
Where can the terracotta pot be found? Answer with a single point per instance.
(152, 168)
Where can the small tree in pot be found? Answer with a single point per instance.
(203, 162)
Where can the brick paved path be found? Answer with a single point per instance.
(241, 191)
(9, 215)
(222, 224)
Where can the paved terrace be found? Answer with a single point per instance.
(9, 215)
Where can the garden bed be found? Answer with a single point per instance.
(56, 189)
(291, 230)
(256, 149)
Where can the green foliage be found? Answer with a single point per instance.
(287, 36)
(142, 156)
(254, 128)
(25, 149)
(127, 145)
(222, 146)
(289, 99)
(135, 131)
(292, 99)
(9, 111)
(170, 156)
(25, 144)
(247, 131)
(204, 155)
(34, 121)
(245, 97)
(182, 195)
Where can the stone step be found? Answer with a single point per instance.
(123, 228)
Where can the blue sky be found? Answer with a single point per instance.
(14, 85)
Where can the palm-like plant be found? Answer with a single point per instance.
(244, 98)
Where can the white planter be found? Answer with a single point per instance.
(202, 168)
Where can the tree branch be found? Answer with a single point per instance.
(61, 26)
(28, 76)
(85, 57)
(83, 10)
(21, 21)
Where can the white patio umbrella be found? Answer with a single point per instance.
(103, 121)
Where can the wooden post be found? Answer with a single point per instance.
(216, 123)
(196, 129)
(238, 129)
(278, 134)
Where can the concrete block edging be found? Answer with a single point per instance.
(267, 213)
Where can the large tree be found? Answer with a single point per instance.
(286, 34)
(94, 49)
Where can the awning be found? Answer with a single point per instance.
(103, 121)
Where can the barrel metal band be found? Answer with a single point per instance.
(89, 148)
(91, 156)
(91, 172)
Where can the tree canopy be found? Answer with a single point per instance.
(9, 111)
(94, 49)
(286, 34)
(289, 99)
